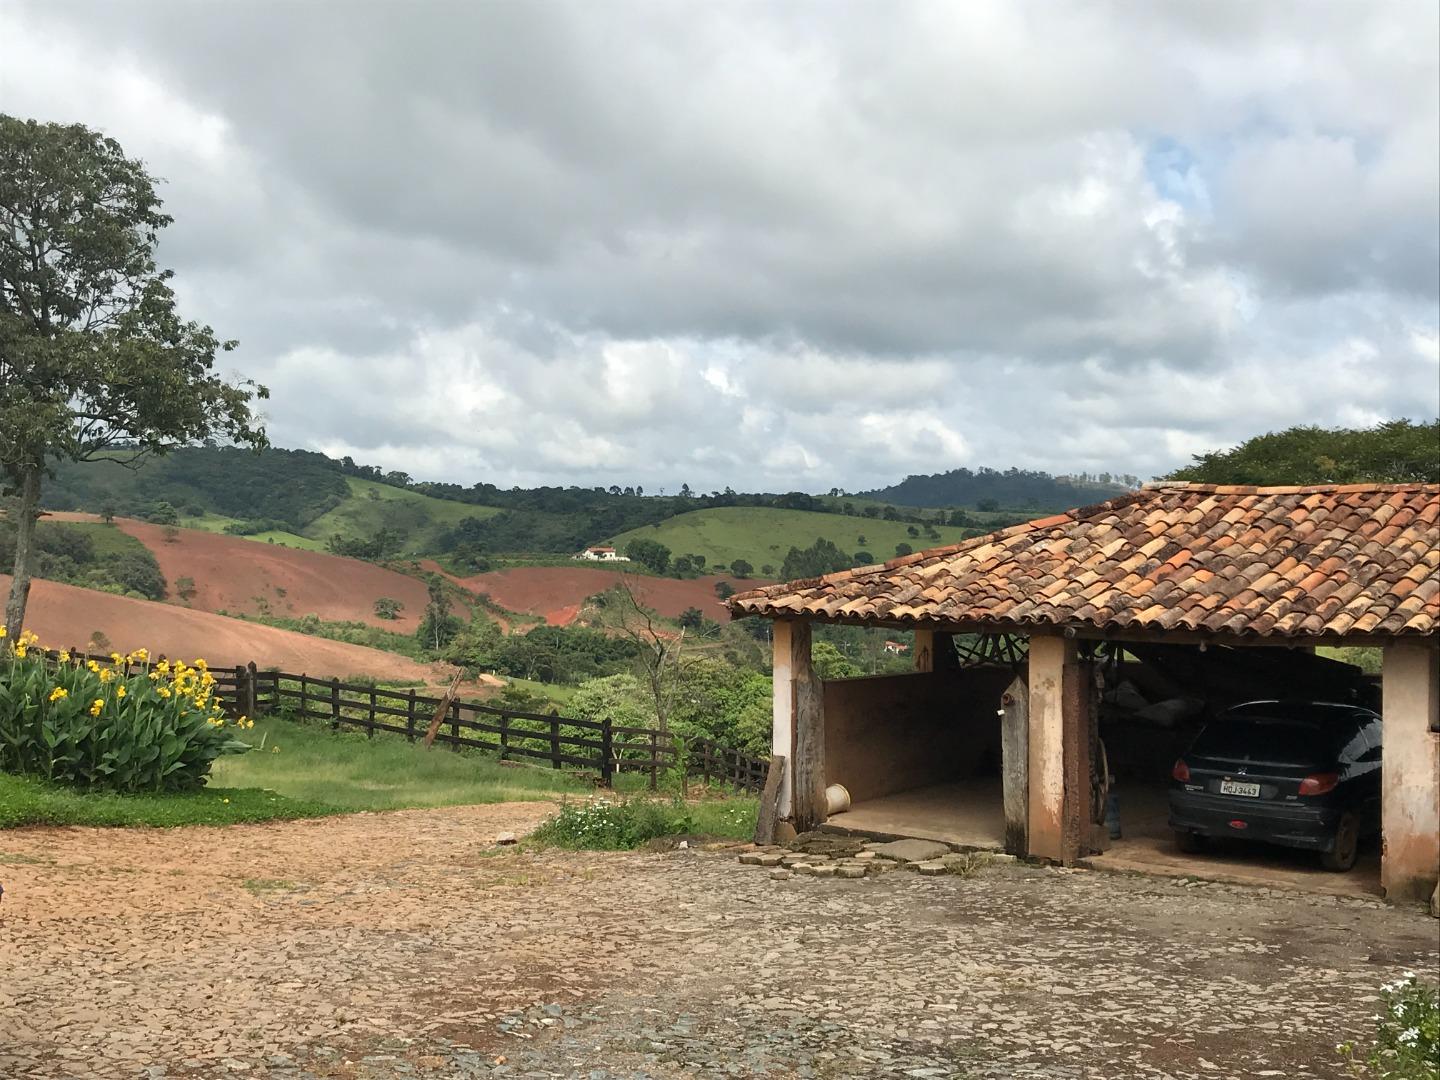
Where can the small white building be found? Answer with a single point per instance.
(602, 554)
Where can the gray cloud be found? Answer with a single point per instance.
(782, 246)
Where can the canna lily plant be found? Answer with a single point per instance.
(128, 725)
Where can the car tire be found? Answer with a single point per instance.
(1191, 843)
(1341, 856)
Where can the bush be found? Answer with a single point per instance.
(1407, 1037)
(605, 825)
(96, 726)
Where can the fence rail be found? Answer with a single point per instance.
(598, 747)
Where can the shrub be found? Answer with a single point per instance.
(1407, 1036)
(97, 726)
(606, 825)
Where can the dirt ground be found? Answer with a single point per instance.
(237, 575)
(409, 944)
(66, 616)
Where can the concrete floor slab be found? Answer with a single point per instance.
(966, 813)
(1148, 846)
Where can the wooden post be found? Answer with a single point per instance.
(807, 796)
(924, 650)
(370, 732)
(654, 760)
(334, 704)
(769, 813)
(1014, 758)
(455, 726)
(410, 716)
(250, 689)
(607, 753)
(554, 739)
(504, 737)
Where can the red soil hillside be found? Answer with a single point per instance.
(64, 616)
(557, 592)
(236, 575)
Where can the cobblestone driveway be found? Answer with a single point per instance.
(408, 945)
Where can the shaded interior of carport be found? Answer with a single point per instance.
(995, 741)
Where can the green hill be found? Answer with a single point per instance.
(762, 536)
(373, 506)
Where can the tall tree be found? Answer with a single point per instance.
(93, 354)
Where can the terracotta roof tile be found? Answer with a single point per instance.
(1292, 562)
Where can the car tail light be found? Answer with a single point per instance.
(1319, 783)
(1181, 771)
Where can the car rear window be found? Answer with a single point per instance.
(1259, 739)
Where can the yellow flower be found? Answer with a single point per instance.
(20, 651)
(96, 706)
(163, 667)
(153, 676)
(106, 674)
(199, 663)
(3, 631)
(140, 654)
(116, 658)
(163, 691)
(92, 665)
(59, 693)
(120, 691)
(274, 749)
(225, 800)
(64, 656)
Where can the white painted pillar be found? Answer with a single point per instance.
(1410, 795)
(782, 726)
(1049, 657)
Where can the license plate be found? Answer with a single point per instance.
(1235, 787)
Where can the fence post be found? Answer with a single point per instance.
(370, 732)
(654, 760)
(504, 737)
(335, 706)
(607, 753)
(250, 689)
(554, 739)
(455, 725)
(239, 703)
(410, 716)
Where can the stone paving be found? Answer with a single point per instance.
(409, 944)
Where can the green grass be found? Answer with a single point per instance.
(287, 539)
(27, 800)
(763, 535)
(624, 823)
(108, 541)
(387, 773)
(207, 522)
(373, 506)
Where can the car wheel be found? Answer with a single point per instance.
(1341, 856)
(1190, 843)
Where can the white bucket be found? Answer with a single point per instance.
(837, 800)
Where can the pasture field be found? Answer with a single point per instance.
(762, 535)
(374, 506)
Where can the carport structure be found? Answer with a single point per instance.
(1197, 566)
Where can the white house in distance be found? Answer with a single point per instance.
(601, 554)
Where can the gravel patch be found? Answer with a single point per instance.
(410, 944)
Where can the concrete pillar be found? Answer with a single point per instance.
(1049, 657)
(1059, 788)
(1410, 797)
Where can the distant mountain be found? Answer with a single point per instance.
(1012, 489)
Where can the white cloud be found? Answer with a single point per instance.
(782, 247)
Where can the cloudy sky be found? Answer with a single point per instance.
(781, 245)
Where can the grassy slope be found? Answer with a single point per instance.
(372, 507)
(27, 801)
(350, 771)
(762, 536)
(107, 539)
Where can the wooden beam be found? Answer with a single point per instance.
(769, 813)
(782, 722)
(1014, 762)
(923, 651)
(807, 807)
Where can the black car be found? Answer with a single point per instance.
(1302, 774)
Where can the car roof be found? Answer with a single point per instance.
(1301, 709)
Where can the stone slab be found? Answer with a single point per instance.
(909, 850)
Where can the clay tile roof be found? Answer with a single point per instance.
(1266, 562)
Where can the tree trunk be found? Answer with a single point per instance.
(26, 512)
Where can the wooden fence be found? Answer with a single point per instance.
(599, 747)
